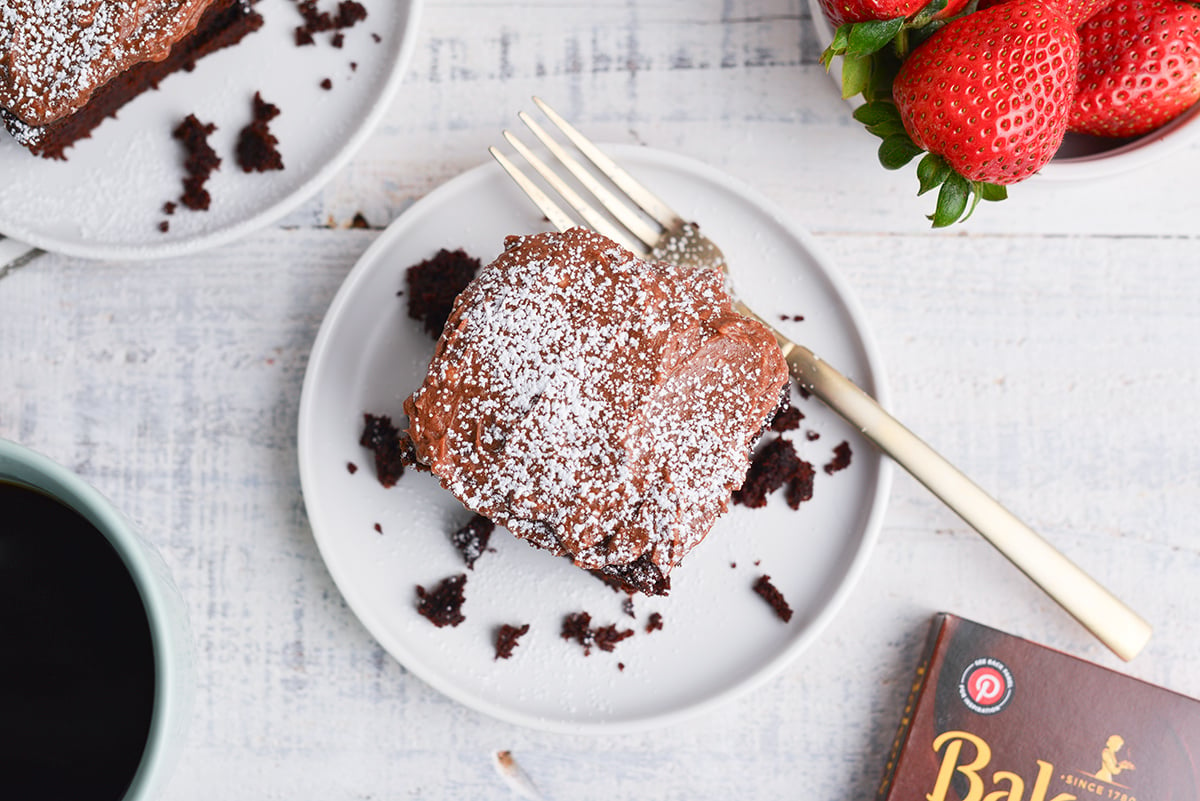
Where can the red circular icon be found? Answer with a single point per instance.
(986, 686)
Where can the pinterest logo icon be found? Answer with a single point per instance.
(986, 686)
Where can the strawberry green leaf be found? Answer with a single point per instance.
(888, 128)
(992, 191)
(868, 37)
(856, 75)
(975, 195)
(926, 14)
(876, 112)
(884, 66)
(897, 150)
(932, 171)
(916, 36)
(841, 38)
(952, 200)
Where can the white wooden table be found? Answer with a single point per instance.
(1048, 347)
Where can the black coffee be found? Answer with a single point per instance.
(76, 661)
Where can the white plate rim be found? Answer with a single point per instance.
(400, 60)
(770, 669)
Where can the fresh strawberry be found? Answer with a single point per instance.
(990, 92)
(1139, 67)
(1080, 11)
(1076, 11)
(840, 12)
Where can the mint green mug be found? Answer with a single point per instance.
(97, 682)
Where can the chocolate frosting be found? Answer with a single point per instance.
(55, 53)
(597, 405)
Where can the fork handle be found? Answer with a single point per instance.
(1097, 609)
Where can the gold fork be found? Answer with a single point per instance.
(671, 238)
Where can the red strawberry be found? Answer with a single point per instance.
(1139, 67)
(839, 12)
(990, 92)
(1076, 11)
(1080, 11)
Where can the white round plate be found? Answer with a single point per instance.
(106, 200)
(1079, 157)
(718, 638)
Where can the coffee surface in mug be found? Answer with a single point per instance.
(76, 657)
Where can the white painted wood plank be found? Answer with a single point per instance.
(1047, 347)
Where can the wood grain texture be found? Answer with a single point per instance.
(1048, 348)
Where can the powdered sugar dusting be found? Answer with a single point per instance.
(55, 53)
(595, 404)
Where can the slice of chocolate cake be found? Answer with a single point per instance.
(595, 404)
(223, 23)
(57, 52)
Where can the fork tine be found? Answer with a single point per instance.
(647, 200)
(557, 217)
(624, 214)
(593, 218)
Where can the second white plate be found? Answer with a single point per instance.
(718, 637)
(106, 200)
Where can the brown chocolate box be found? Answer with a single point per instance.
(992, 717)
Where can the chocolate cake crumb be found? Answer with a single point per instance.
(607, 637)
(376, 38)
(326, 84)
(433, 285)
(316, 21)
(338, 39)
(803, 392)
(393, 450)
(577, 626)
(773, 466)
(379, 528)
(621, 666)
(733, 565)
(359, 221)
(627, 607)
(472, 539)
(256, 145)
(199, 163)
(443, 605)
(349, 13)
(800, 486)
(811, 436)
(164, 226)
(354, 66)
(351, 468)
(774, 597)
(169, 208)
(787, 420)
(841, 458)
(506, 640)
(654, 623)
